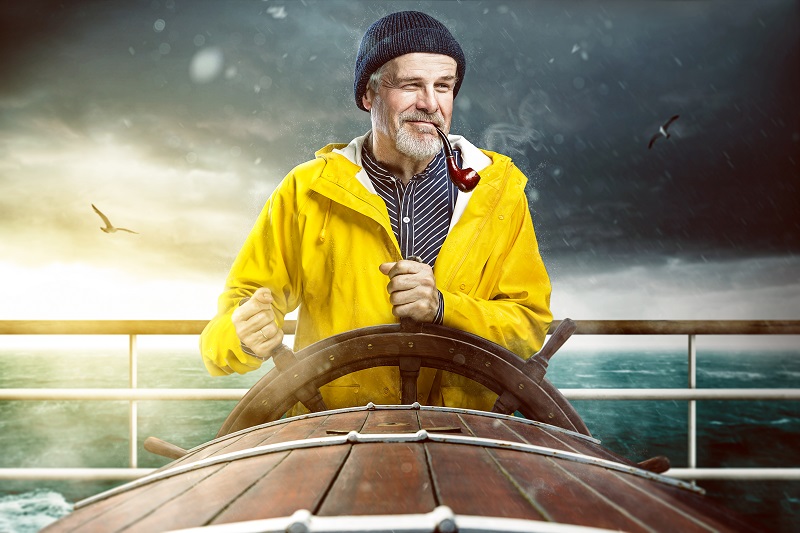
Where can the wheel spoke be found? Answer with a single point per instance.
(409, 374)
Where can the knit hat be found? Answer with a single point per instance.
(403, 33)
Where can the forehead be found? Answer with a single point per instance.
(422, 65)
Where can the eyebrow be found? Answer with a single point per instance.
(398, 79)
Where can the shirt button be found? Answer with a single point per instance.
(406, 220)
(463, 286)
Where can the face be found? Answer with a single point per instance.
(415, 93)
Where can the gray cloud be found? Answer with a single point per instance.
(98, 105)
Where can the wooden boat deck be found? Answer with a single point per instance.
(505, 467)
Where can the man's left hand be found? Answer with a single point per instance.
(412, 290)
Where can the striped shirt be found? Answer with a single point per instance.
(420, 211)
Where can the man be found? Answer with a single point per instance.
(334, 236)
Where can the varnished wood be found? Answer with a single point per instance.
(292, 485)
(644, 506)
(434, 419)
(563, 498)
(658, 464)
(360, 478)
(704, 509)
(405, 421)
(342, 423)
(409, 374)
(126, 510)
(362, 488)
(213, 494)
(468, 481)
(163, 448)
(560, 441)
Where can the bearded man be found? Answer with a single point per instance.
(335, 237)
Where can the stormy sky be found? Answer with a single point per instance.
(178, 118)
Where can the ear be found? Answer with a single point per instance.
(366, 99)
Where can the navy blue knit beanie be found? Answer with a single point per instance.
(403, 33)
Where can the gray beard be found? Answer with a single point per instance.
(418, 149)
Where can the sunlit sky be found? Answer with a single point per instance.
(177, 119)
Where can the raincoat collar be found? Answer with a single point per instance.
(472, 157)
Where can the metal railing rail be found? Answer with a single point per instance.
(134, 394)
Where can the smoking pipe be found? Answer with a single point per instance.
(465, 179)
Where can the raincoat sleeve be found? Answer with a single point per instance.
(267, 259)
(510, 304)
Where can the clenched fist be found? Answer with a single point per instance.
(412, 290)
(255, 324)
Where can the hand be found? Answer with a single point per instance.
(412, 290)
(255, 323)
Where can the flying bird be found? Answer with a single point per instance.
(662, 131)
(110, 227)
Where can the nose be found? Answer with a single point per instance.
(426, 100)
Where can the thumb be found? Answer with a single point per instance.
(386, 267)
(263, 296)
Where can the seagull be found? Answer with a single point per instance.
(662, 131)
(109, 227)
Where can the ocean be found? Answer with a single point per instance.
(95, 433)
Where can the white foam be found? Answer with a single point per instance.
(30, 512)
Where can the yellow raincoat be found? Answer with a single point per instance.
(320, 238)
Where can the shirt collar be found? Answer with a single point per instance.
(376, 170)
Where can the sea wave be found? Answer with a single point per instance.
(731, 374)
(635, 371)
(30, 512)
(783, 421)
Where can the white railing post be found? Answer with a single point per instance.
(133, 432)
(692, 403)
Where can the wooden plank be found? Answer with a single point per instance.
(400, 421)
(299, 482)
(81, 516)
(132, 507)
(435, 419)
(340, 424)
(294, 430)
(381, 478)
(712, 513)
(490, 428)
(224, 446)
(467, 479)
(562, 498)
(642, 505)
(203, 501)
(566, 442)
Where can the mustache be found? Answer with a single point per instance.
(419, 116)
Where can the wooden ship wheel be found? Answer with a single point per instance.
(520, 385)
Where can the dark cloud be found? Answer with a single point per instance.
(571, 90)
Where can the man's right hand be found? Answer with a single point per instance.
(255, 324)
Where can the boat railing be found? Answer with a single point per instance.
(133, 393)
